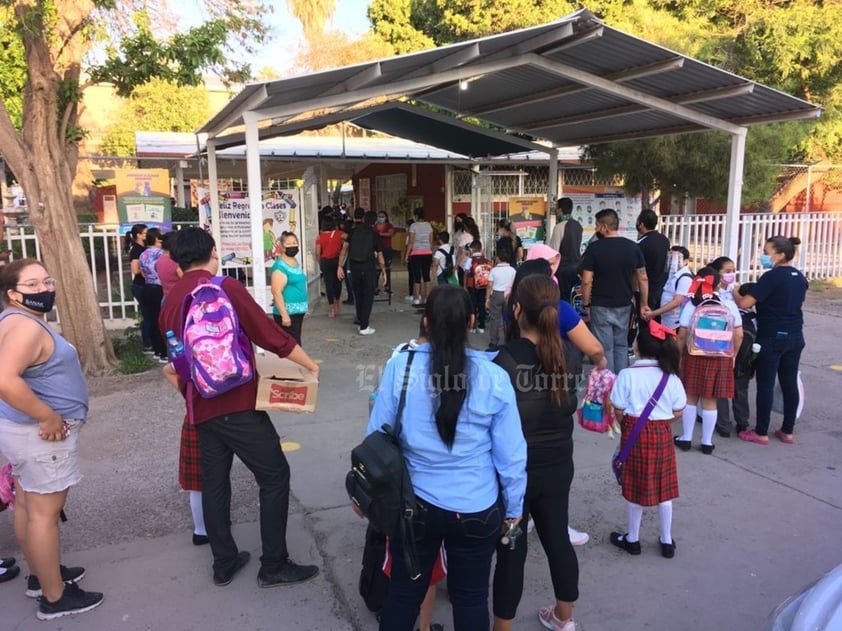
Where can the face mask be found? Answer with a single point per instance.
(599, 235)
(291, 252)
(766, 261)
(42, 302)
(381, 220)
(729, 279)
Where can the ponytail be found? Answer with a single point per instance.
(131, 235)
(447, 315)
(538, 298)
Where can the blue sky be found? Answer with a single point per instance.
(350, 16)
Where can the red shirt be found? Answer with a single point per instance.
(385, 230)
(331, 243)
(259, 327)
(168, 273)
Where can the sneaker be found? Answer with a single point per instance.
(480, 330)
(8, 573)
(547, 617)
(367, 331)
(289, 574)
(416, 302)
(74, 600)
(221, 579)
(162, 359)
(577, 538)
(148, 350)
(68, 575)
(409, 299)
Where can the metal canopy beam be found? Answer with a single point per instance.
(582, 37)
(629, 74)
(631, 94)
(253, 102)
(625, 110)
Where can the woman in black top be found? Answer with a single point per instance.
(536, 367)
(135, 245)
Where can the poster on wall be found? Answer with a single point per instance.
(588, 201)
(528, 215)
(278, 215)
(143, 196)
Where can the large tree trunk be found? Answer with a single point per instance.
(44, 161)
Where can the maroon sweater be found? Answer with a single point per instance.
(259, 327)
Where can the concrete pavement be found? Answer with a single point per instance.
(753, 523)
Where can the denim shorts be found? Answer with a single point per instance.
(42, 466)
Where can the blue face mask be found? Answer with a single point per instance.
(766, 261)
(381, 220)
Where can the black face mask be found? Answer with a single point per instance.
(42, 302)
(599, 235)
(291, 252)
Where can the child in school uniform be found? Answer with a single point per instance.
(705, 379)
(650, 476)
(477, 269)
(499, 284)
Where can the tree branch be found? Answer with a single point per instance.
(13, 151)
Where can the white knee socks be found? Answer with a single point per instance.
(688, 422)
(708, 425)
(665, 517)
(198, 515)
(635, 515)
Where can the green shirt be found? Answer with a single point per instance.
(295, 292)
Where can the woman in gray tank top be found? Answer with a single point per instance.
(43, 405)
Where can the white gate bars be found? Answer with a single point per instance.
(818, 257)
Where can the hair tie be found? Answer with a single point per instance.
(544, 305)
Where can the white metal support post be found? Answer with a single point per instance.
(735, 191)
(448, 199)
(213, 190)
(255, 190)
(552, 195)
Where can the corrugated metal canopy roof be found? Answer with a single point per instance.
(573, 81)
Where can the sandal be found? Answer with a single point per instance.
(750, 436)
(789, 439)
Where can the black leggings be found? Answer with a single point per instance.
(549, 473)
(420, 264)
(333, 286)
(294, 328)
(151, 297)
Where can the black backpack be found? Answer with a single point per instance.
(379, 483)
(448, 262)
(361, 244)
(743, 365)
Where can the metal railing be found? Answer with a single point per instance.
(819, 256)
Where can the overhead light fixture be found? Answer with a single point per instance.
(463, 84)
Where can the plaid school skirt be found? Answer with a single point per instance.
(650, 475)
(189, 459)
(710, 377)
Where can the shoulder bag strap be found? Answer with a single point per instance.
(396, 428)
(641, 421)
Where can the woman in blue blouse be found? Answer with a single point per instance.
(464, 446)
(289, 288)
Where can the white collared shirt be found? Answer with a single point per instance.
(636, 385)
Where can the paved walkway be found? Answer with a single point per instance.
(753, 524)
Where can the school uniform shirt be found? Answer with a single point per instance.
(635, 386)
(501, 277)
(441, 259)
(677, 285)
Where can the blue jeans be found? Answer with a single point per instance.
(778, 357)
(145, 320)
(469, 540)
(610, 325)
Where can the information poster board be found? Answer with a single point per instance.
(143, 196)
(588, 201)
(528, 215)
(278, 213)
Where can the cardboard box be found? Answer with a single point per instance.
(284, 386)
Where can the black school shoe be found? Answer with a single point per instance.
(707, 449)
(221, 579)
(683, 445)
(619, 540)
(200, 540)
(74, 600)
(668, 549)
(68, 575)
(289, 574)
(9, 573)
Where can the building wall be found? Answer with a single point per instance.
(422, 180)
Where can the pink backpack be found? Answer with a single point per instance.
(218, 354)
(711, 330)
(7, 488)
(595, 414)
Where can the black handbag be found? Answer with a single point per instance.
(379, 483)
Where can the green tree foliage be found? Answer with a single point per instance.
(157, 106)
(123, 41)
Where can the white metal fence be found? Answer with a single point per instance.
(818, 257)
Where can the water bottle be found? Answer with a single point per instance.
(755, 351)
(175, 349)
